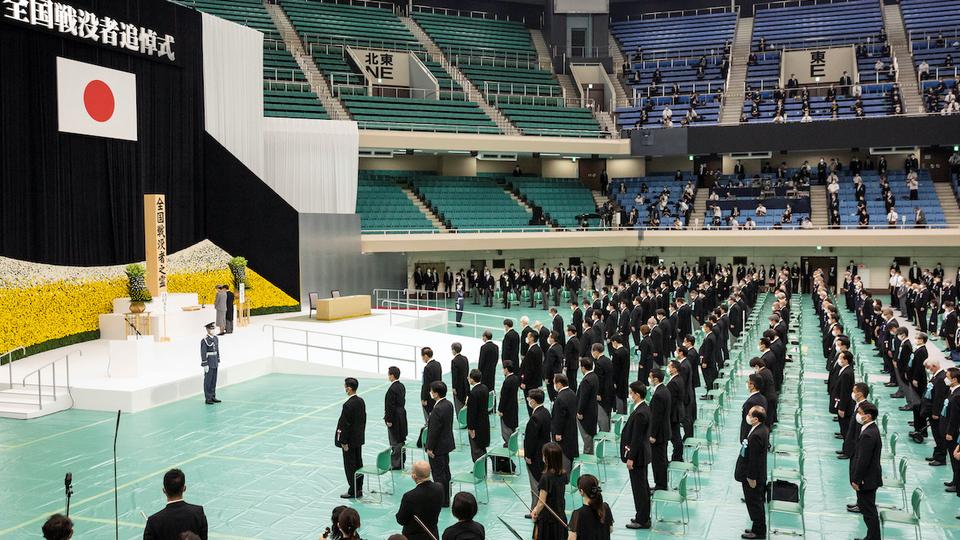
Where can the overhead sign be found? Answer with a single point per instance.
(383, 68)
(88, 26)
(819, 66)
(94, 100)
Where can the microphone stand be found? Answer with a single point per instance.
(424, 527)
(116, 496)
(68, 488)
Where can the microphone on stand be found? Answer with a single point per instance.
(68, 488)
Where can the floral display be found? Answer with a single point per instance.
(44, 306)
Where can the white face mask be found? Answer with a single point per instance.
(853, 396)
(860, 419)
(749, 419)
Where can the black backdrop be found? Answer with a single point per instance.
(75, 199)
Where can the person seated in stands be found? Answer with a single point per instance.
(675, 91)
(787, 216)
(845, 83)
(715, 222)
(701, 73)
(677, 224)
(919, 218)
(778, 95)
(835, 217)
(648, 106)
(950, 108)
(858, 110)
(623, 188)
(692, 115)
(749, 224)
(752, 59)
(924, 70)
(733, 223)
(948, 61)
(642, 120)
(694, 100)
(834, 109)
(889, 200)
(777, 226)
(638, 54)
(636, 77)
(625, 69)
(735, 211)
(805, 223)
(667, 114)
(879, 66)
(724, 67)
(654, 221)
(793, 84)
(639, 200)
(938, 43)
(653, 89)
(806, 116)
(762, 44)
(755, 111)
(657, 76)
(863, 217)
(717, 213)
(892, 217)
(897, 109)
(831, 93)
(913, 185)
(633, 218)
(761, 209)
(780, 117)
(857, 90)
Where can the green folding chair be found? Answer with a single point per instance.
(897, 482)
(511, 452)
(702, 442)
(476, 476)
(788, 449)
(795, 509)
(413, 446)
(461, 423)
(572, 485)
(678, 497)
(382, 467)
(597, 458)
(684, 468)
(905, 518)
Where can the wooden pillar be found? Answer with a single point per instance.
(155, 242)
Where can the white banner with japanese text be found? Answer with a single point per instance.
(819, 66)
(383, 68)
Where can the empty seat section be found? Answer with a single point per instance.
(383, 206)
(561, 199)
(466, 202)
(412, 114)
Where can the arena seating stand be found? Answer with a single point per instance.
(562, 199)
(327, 28)
(466, 202)
(674, 45)
(655, 184)
(927, 200)
(926, 22)
(500, 59)
(746, 199)
(286, 92)
(383, 206)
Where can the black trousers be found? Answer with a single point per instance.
(844, 422)
(572, 378)
(476, 450)
(940, 444)
(677, 441)
(551, 392)
(640, 485)
(754, 497)
(396, 449)
(954, 464)
(709, 375)
(659, 462)
(867, 502)
(353, 460)
(440, 468)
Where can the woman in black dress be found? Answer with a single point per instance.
(349, 524)
(593, 520)
(551, 494)
(464, 508)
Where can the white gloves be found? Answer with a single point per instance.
(206, 369)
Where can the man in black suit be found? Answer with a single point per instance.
(751, 470)
(423, 501)
(866, 474)
(478, 421)
(178, 516)
(917, 376)
(684, 319)
(934, 400)
(603, 369)
(459, 369)
(840, 394)
(510, 348)
(755, 399)
(678, 408)
(621, 372)
(563, 422)
(525, 329)
(507, 410)
(487, 361)
(645, 353)
(576, 319)
(708, 357)
(571, 358)
(395, 416)
(553, 363)
(535, 435)
(531, 369)
(859, 395)
(350, 437)
(432, 372)
(557, 325)
(950, 424)
(690, 370)
(635, 452)
(587, 404)
(440, 440)
(659, 427)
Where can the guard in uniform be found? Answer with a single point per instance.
(210, 361)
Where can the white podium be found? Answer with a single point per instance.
(128, 355)
(176, 323)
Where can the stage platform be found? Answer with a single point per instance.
(361, 347)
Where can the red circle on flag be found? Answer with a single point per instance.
(98, 100)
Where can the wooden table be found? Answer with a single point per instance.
(331, 309)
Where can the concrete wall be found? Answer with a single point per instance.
(626, 168)
(401, 163)
(559, 168)
(670, 164)
(458, 165)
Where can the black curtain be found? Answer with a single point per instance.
(78, 200)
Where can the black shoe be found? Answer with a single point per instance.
(928, 459)
(751, 534)
(844, 456)
(905, 408)
(635, 525)
(896, 395)
(215, 400)
(910, 423)
(854, 505)
(347, 495)
(936, 464)
(854, 509)
(951, 489)
(890, 384)
(837, 436)
(527, 516)
(839, 452)
(948, 484)
(209, 402)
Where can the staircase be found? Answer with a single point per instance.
(318, 83)
(623, 94)
(900, 49)
(599, 199)
(569, 87)
(544, 57)
(471, 91)
(699, 209)
(818, 206)
(424, 209)
(25, 402)
(550, 223)
(733, 91)
(948, 201)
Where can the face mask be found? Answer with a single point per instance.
(748, 419)
(853, 397)
(860, 419)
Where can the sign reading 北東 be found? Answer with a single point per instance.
(819, 66)
(383, 68)
(88, 26)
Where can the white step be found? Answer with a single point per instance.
(21, 403)
(907, 79)
(948, 202)
(733, 102)
(424, 209)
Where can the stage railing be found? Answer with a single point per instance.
(52, 366)
(9, 356)
(346, 346)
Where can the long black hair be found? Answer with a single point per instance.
(590, 487)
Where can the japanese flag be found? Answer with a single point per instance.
(98, 101)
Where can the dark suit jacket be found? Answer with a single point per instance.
(559, 329)
(678, 398)
(553, 363)
(635, 438)
(587, 404)
(511, 346)
(621, 372)
(752, 401)
(752, 463)
(352, 423)
(531, 370)
(840, 399)
(459, 369)
(394, 409)
(535, 435)
(175, 518)
(660, 415)
(425, 501)
(487, 363)
(440, 428)
(508, 400)
(564, 422)
(523, 339)
(431, 372)
(853, 433)
(865, 469)
(603, 368)
(477, 416)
